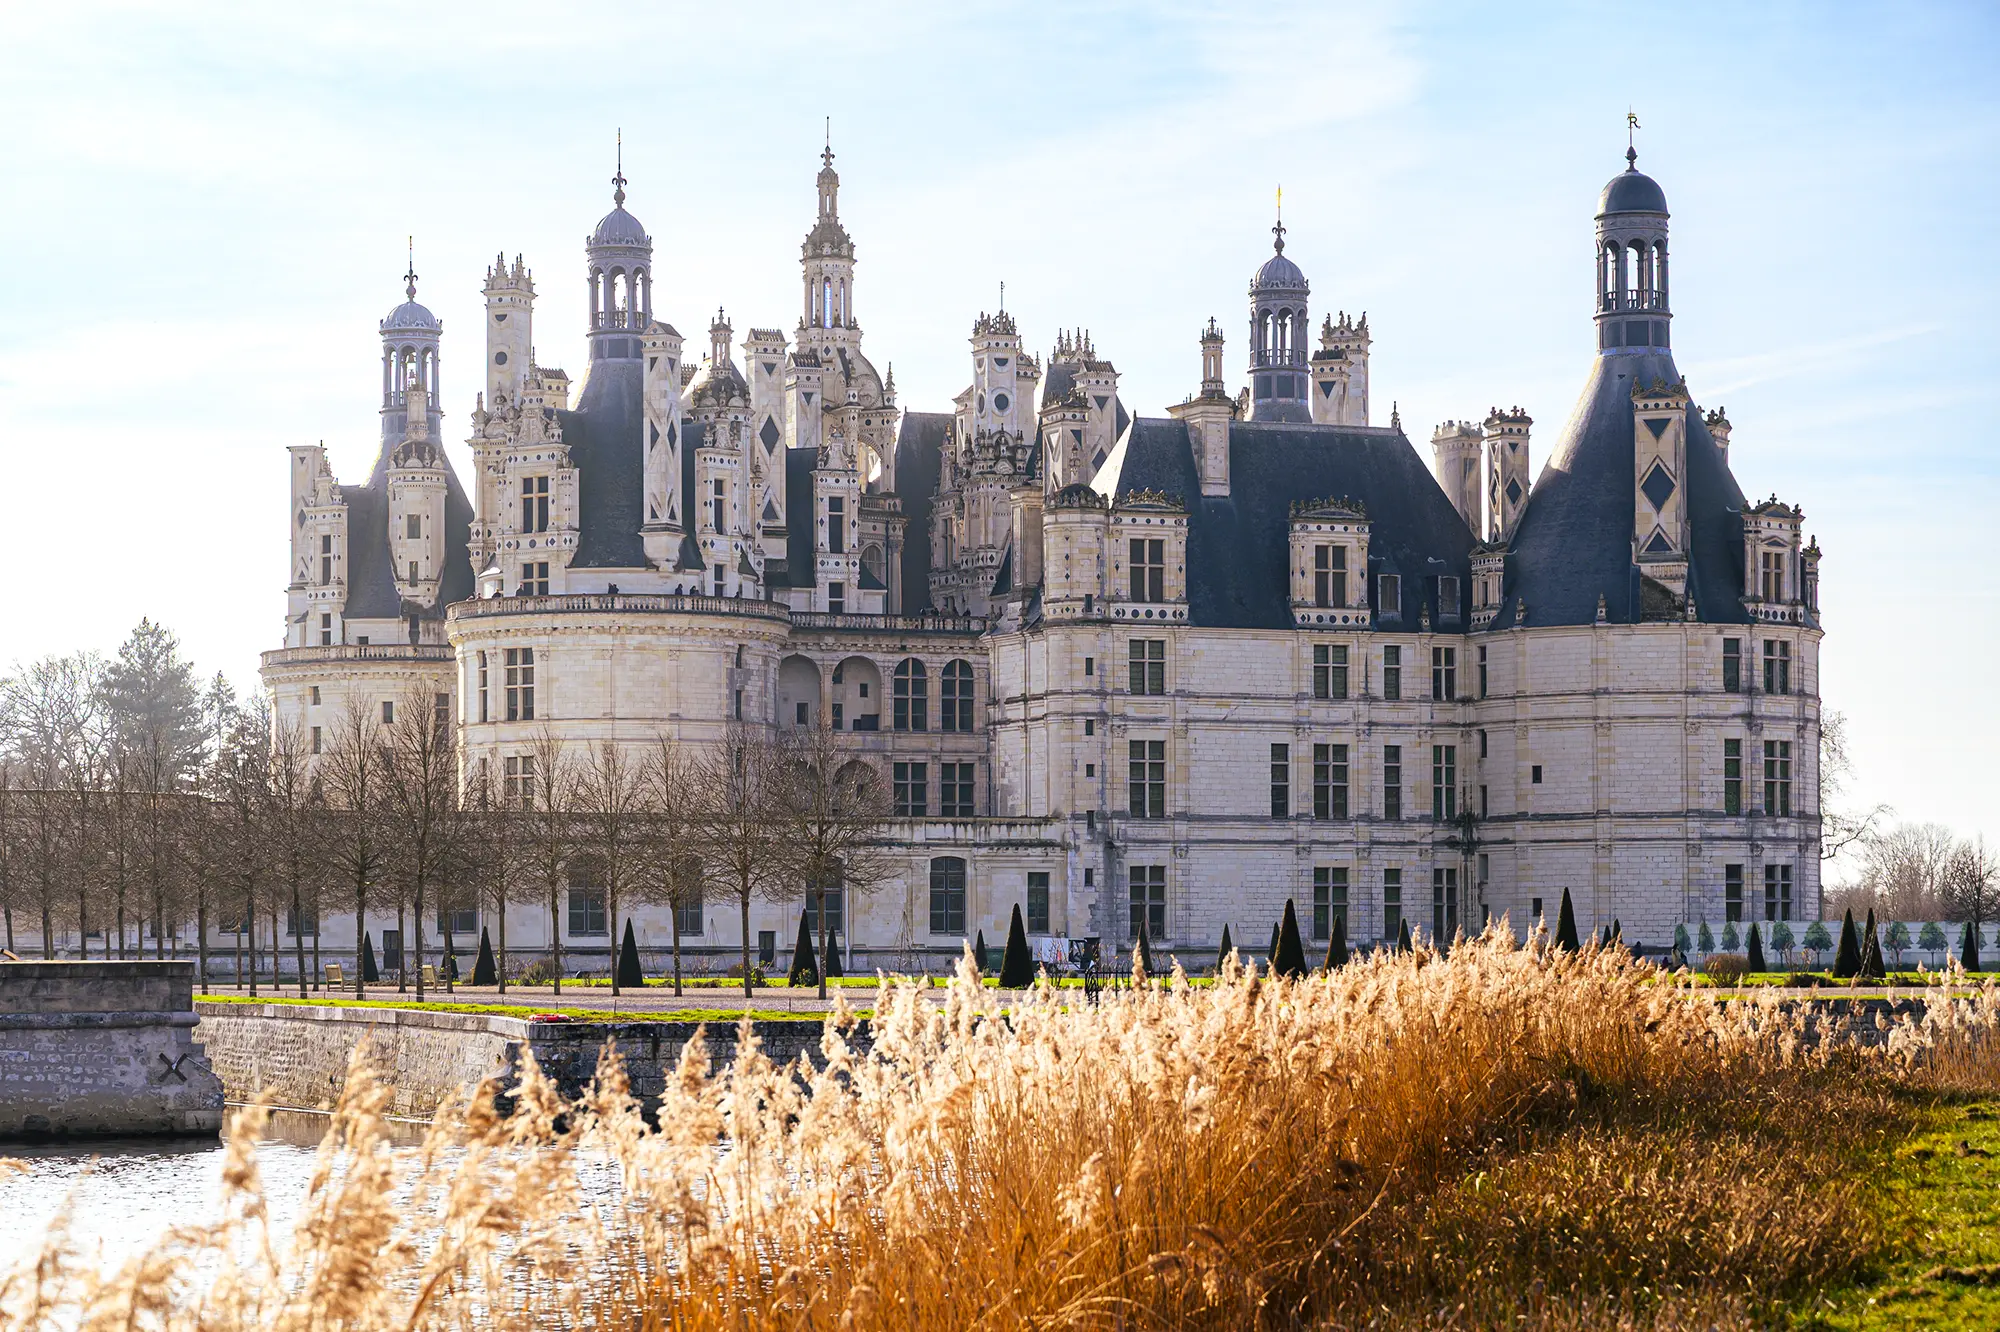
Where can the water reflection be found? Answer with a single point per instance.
(123, 1193)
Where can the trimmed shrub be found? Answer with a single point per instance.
(1847, 960)
(1705, 938)
(369, 974)
(1291, 951)
(629, 972)
(1728, 968)
(1223, 949)
(1017, 964)
(804, 970)
(1566, 925)
(483, 970)
(1755, 955)
(1336, 947)
(1968, 947)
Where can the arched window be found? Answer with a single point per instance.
(912, 696)
(956, 713)
(948, 895)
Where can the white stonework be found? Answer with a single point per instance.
(1194, 665)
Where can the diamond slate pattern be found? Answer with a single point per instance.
(1658, 487)
(769, 434)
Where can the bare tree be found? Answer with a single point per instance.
(739, 834)
(422, 790)
(831, 808)
(671, 867)
(495, 854)
(352, 841)
(1841, 830)
(1971, 879)
(9, 859)
(542, 784)
(1902, 874)
(292, 833)
(240, 788)
(613, 824)
(58, 735)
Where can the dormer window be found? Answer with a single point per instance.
(1329, 576)
(1149, 569)
(1447, 597)
(1771, 574)
(534, 504)
(1389, 594)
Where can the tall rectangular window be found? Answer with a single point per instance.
(1329, 781)
(1777, 892)
(301, 922)
(326, 631)
(689, 917)
(534, 504)
(1149, 569)
(1329, 670)
(388, 712)
(718, 499)
(836, 598)
(1448, 598)
(520, 684)
(517, 781)
(1281, 781)
(910, 789)
(1732, 776)
(483, 681)
(1329, 899)
(1330, 576)
(1732, 665)
(1392, 673)
(1482, 670)
(325, 560)
(948, 895)
(1778, 778)
(1771, 574)
(1732, 892)
(1148, 663)
(910, 690)
(586, 909)
(441, 711)
(318, 743)
(1148, 774)
(535, 578)
(1444, 673)
(1147, 889)
(1389, 595)
(1777, 666)
(955, 790)
(1038, 902)
(957, 696)
(1392, 781)
(413, 527)
(836, 525)
(1444, 904)
(1444, 782)
(1392, 903)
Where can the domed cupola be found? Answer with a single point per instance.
(1633, 314)
(620, 254)
(1280, 383)
(410, 338)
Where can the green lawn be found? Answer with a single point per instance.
(1941, 1192)
(524, 1010)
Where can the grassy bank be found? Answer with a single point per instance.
(524, 1010)
(1489, 1139)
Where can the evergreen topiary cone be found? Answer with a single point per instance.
(1847, 958)
(1144, 953)
(1017, 964)
(1756, 950)
(1968, 947)
(629, 973)
(1871, 950)
(1291, 952)
(1271, 958)
(1223, 949)
(1336, 947)
(979, 951)
(483, 970)
(1404, 943)
(804, 971)
(832, 959)
(1566, 925)
(369, 974)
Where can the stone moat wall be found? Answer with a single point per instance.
(102, 1048)
(301, 1053)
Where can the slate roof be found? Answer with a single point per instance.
(371, 577)
(1574, 542)
(801, 565)
(603, 435)
(1239, 546)
(919, 460)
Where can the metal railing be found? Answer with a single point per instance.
(922, 624)
(575, 603)
(359, 652)
(1632, 300)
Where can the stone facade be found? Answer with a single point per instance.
(1126, 671)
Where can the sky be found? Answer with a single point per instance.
(207, 209)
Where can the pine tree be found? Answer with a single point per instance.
(803, 971)
(1846, 959)
(1756, 950)
(1566, 925)
(1682, 943)
(1223, 949)
(1291, 952)
(1731, 940)
(1968, 947)
(483, 970)
(629, 972)
(1017, 964)
(369, 975)
(1336, 947)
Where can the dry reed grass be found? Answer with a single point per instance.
(1498, 1136)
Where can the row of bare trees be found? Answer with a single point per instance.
(133, 804)
(1922, 871)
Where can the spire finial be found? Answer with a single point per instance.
(1003, 297)
(618, 181)
(1631, 147)
(1279, 230)
(410, 277)
(826, 157)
